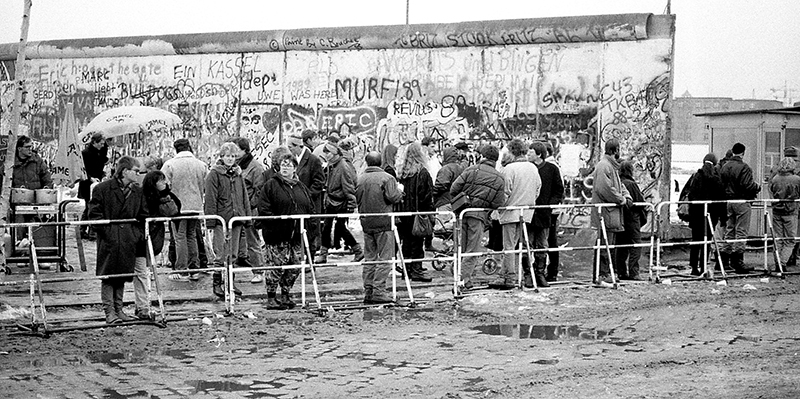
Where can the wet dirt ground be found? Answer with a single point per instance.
(643, 340)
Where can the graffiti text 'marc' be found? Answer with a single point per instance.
(360, 119)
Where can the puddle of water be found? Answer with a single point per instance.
(225, 386)
(109, 393)
(545, 361)
(543, 332)
(113, 359)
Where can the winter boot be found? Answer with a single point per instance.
(737, 262)
(286, 300)
(725, 257)
(272, 302)
(217, 286)
(417, 274)
(358, 253)
(322, 256)
(539, 271)
(118, 305)
(107, 297)
(368, 295)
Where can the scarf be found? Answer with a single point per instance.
(291, 181)
(245, 161)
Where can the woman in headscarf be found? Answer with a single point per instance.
(704, 185)
(418, 196)
(283, 194)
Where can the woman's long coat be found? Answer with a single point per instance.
(118, 244)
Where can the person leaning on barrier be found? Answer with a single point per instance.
(785, 186)
(523, 185)
(737, 179)
(485, 188)
(704, 185)
(551, 193)
(30, 170)
(226, 196)
(253, 174)
(161, 202)
(377, 192)
(626, 259)
(120, 247)
(340, 198)
(608, 188)
(283, 194)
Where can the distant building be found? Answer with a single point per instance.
(689, 129)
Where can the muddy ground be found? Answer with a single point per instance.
(643, 340)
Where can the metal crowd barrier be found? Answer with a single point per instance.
(525, 247)
(35, 280)
(308, 264)
(768, 236)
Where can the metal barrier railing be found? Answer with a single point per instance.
(35, 280)
(308, 260)
(525, 247)
(710, 229)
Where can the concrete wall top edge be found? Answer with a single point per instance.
(596, 28)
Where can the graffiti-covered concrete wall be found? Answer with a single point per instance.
(575, 82)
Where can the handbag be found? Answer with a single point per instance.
(168, 207)
(423, 225)
(683, 209)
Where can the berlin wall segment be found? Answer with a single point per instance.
(574, 89)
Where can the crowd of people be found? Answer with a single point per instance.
(311, 175)
(731, 179)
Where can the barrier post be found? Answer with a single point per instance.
(778, 264)
(457, 252)
(654, 229)
(716, 246)
(608, 250)
(530, 256)
(152, 258)
(766, 236)
(597, 261)
(402, 262)
(705, 236)
(307, 250)
(35, 275)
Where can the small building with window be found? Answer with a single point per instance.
(766, 133)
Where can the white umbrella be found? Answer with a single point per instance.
(68, 165)
(130, 119)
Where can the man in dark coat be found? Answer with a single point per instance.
(626, 259)
(120, 244)
(551, 193)
(95, 157)
(30, 170)
(737, 179)
(310, 173)
(377, 192)
(485, 187)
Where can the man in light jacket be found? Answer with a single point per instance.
(187, 177)
(377, 192)
(608, 189)
(522, 188)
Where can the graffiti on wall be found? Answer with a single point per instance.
(557, 93)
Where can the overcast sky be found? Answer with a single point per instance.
(726, 48)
